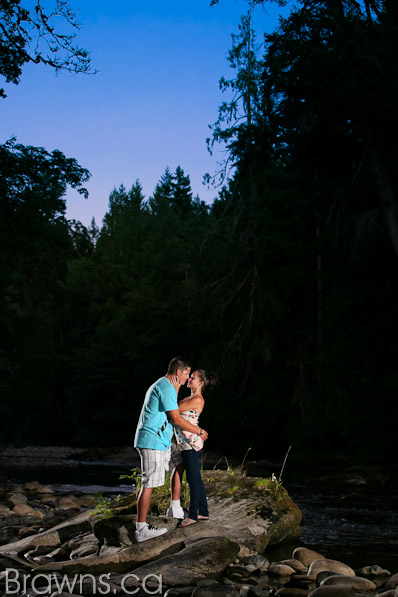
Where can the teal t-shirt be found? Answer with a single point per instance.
(154, 430)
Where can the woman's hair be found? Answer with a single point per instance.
(208, 377)
(177, 363)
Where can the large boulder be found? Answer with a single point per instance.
(204, 558)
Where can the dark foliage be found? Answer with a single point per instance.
(287, 285)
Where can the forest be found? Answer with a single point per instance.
(286, 285)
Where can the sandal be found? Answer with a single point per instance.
(200, 517)
(187, 522)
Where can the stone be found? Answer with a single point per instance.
(45, 490)
(331, 566)
(295, 564)
(260, 562)
(83, 546)
(52, 537)
(31, 485)
(333, 592)
(307, 556)
(280, 570)
(86, 501)
(16, 498)
(215, 591)
(322, 575)
(392, 582)
(117, 531)
(206, 558)
(5, 511)
(179, 592)
(26, 510)
(293, 592)
(356, 582)
(48, 500)
(67, 503)
(373, 571)
(27, 531)
(253, 591)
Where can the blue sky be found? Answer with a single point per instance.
(149, 105)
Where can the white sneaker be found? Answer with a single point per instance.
(175, 512)
(148, 532)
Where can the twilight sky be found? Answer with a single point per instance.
(151, 102)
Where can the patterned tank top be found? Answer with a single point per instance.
(185, 439)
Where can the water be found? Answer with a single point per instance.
(355, 524)
(358, 526)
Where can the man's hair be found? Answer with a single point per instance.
(177, 363)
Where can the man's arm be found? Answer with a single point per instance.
(178, 420)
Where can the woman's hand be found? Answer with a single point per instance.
(174, 382)
(204, 435)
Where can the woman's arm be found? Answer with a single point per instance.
(179, 420)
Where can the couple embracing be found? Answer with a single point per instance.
(162, 418)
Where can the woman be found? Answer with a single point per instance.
(191, 445)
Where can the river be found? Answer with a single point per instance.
(356, 523)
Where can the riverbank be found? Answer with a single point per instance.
(349, 511)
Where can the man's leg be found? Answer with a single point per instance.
(143, 502)
(153, 470)
(175, 481)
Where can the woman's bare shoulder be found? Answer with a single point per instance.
(197, 403)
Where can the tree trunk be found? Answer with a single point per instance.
(387, 198)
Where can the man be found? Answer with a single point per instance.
(153, 442)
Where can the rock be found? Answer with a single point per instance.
(302, 581)
(215, 591)
(45, 490)
(117, 531)
(236, 572)
(254, 515)
(49, 500)
(109, 550)
(253, 591)
(37, 552)
(31, 485)
(392, 582)
(295, 564)
(56, 594)
(322, 575)
(56, 555)
(389, 593)
(280, 570)
(85, 501)
(307, 556)
(52, 519)
(260, 562)
(16, 498)
(82, 546)
(5, 511)
(373, 571)
(27, 531)
(356, 582)
(67, 503)
(293, 592)
(52, 537)
(331, 566)
(179, 592)
(26, 510)
(206, 558)
(333, 592)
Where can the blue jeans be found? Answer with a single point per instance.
(197, 491)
